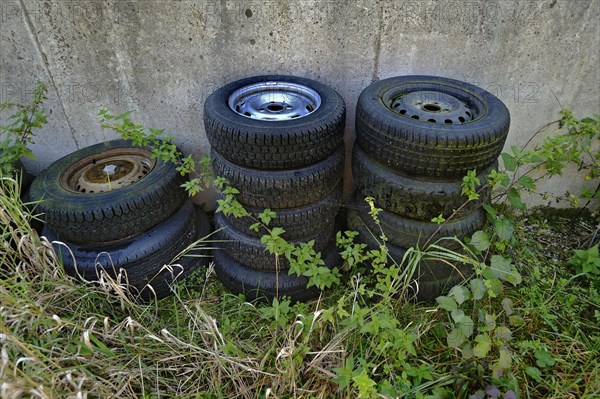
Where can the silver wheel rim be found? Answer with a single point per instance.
(433, 107)
(274, 101)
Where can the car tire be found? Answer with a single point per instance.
(73, 207)
(407, 233)
(282, 188)
(250, 137)
(297, 222)
(142, 258)
(255, 284)
(253, 253)
(431, 126)
(417, 198)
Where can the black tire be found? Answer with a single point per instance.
(282, 188)
(407, 233)
(424, 148)
(287, 144)
(143, 257)
(418, 198)
(432, 277)
(427, 291)
(253, 254)
(255, 284)
(297, 222)
(106, 216)
(429, 271)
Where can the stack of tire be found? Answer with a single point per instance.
(112, 209)
(416, 138)
(278, 140)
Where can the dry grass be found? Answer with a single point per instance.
(62, 338)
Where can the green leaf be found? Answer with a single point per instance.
(459, 293)
(510, 162)
(507, 306)
(267, 216)
(514, 197)
(544, 359)
(500, 266)
(490, 210)
(480, 241)
(514, 277)
(438, 219)
(478, 288)
(467, 351)
(455, 338)
(344, 374)
(255, 227)
(490, 322)
(494, 287)
(446, 303)
(467, 326)
(504, 228)
(526, 182)
(366, 386)
(503, 333)
(516, 321)
(457, 315)
(534, 373)
(483, 346)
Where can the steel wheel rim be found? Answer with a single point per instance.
(274, 101)
(434, 107)
(108, 171)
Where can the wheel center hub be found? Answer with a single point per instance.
(110, 170)
(274, 101)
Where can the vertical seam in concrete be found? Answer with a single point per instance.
(44, 61)
(375, 75)
(123, 66)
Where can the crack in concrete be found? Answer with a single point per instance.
(375, 76)
(44, 61)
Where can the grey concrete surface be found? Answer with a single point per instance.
(161, 59)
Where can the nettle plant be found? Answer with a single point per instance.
(16, 136)
(480, 315)
(381, 354)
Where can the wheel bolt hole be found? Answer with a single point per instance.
(461, 119)
(448, 121)
(415, 116)
(402, 111)
(431, 120)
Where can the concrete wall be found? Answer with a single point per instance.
(161, 59)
